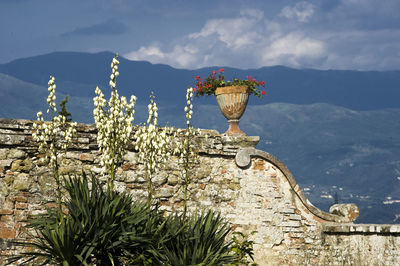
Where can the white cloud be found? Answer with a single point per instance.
(293, 49)
(235, 33)
(301, 11)
(179, 56)
(252, 40)
(246, 41)
(151, 51)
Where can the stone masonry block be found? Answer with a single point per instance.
(7, 233)
(6, 211)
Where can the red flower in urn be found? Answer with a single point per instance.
(232, 95)
(216, 80)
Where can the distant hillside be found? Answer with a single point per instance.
(19, 98)
(78, 74)
(348, 146)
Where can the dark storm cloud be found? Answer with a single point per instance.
(109, 27)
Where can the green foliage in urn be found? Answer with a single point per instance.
(216, 80)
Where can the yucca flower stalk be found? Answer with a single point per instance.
(113, 119)
(153, 145)
(54, 136)
(188, 156)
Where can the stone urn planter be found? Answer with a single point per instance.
(232, 101)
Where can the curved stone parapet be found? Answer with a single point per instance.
(243, 160)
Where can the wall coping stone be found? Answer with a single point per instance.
(351, 228)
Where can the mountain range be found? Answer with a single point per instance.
(337, 131)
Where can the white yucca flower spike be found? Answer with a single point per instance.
(113, 119)
(47, 133)
(153, 144)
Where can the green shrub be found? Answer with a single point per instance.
(96, 229)
(197, 240)
(242, 248)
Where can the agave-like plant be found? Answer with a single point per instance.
(101, 218)
(198, 240)
(143, 242)
(103, 230)
(96, 228)
(58, 242)
(58, 238)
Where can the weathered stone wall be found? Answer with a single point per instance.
(251, 188)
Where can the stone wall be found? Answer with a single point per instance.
(251, 188)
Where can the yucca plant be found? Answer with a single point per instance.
(117, 226)
(58, 242)
(101, 218)
(143, 242)
(95, 229)
(198, 240)
(58, 238)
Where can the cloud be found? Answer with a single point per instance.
(247, 41)
(179, 56)
(109, 27)
(252, 39)
(235, 33)
(301, 11)
(294, 49)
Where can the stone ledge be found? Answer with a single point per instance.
(378, 229)
(20, 124)
(17, 132)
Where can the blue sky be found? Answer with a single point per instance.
(320, 34)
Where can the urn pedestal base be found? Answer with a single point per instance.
(234, 129)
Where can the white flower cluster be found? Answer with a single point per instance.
(153, 142)
(51, 99)
(54, 135)
(188, 156)
(114, 72)
(189, 105)
(184, 147)
(113, 119)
